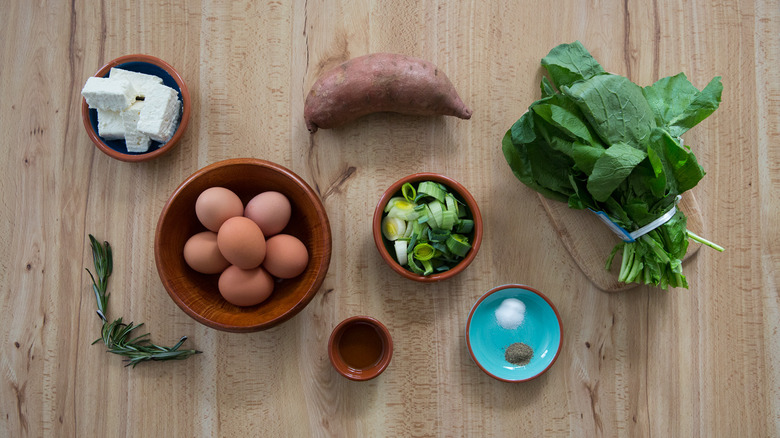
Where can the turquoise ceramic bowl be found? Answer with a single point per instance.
(541, 329)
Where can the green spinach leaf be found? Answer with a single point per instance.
(569, 63)
(678, 105)
(615, 107)
(612, 168)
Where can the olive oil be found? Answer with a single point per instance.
(360, 346)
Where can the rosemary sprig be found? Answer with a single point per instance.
(116, 334)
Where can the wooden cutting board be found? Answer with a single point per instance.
(590, 242)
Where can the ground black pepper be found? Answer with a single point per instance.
(519, 353)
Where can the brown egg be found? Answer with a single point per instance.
(270, 211)
(216, 205)
(286, 256)
(245, 287)
(202, 253)
(241, 242)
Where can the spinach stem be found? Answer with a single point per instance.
(704, 241)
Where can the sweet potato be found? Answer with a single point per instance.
(380, 82)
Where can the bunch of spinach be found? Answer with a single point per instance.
(599, 141)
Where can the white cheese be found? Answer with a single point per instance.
(135, 140)
(108, 94)
(160, 114)
(139, 81)
(110, 125)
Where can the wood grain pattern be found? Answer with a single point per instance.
(700, 362)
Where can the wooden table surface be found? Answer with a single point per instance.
(696, 362)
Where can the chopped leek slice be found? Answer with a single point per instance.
(458, 244)
(438, 236)
(428, 267)
(464, 226)
(441, 247)
(424, 252)
(460, 205)
(401, 208)
(448, 219)
(414, 266)
(392, 202)
(436, 214)
(452, 204)
(407, 215)
(409, 229)
(393, 228)
(432, 189)
(417, 231)
(427, 217)
(400, 251)
(408, 191)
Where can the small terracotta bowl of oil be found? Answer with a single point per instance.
(360, 348)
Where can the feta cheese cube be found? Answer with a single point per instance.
(135, 140)
(160, 114)
(138, 80)
(108, 94)
(110, 125)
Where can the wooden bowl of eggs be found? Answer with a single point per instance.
(243, 245)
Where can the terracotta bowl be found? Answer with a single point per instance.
(385, 248)
(353, 331)
(171, 78)
(197, 294)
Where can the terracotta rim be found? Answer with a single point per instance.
(351, 373)
(491, 292)
(185, 117)
(462, 192)
(322, 268)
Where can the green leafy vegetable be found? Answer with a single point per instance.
(612, 168)
(615, 108)
(604, 143)
(678, 105)
(569, 63)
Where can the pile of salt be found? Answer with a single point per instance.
(511, 313)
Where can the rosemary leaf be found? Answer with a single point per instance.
(116, 334)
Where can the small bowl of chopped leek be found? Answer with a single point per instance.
(427, 227)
